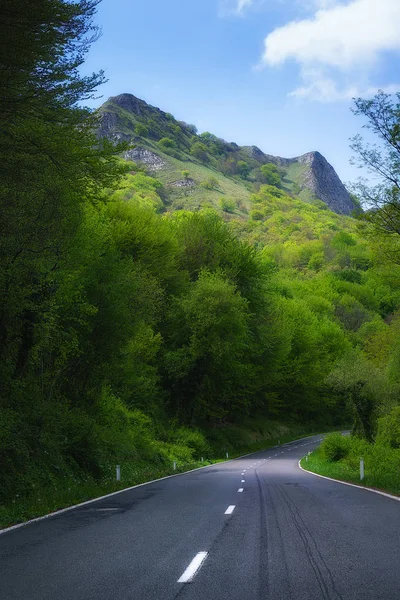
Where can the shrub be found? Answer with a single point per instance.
(227, 204)
(256, 215)
(166, 143)
(209, 184)
(389, 429)
(335, 447)
(141, 130)
(270, 174)
(243, 169)
(199, 151)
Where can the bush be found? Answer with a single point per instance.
(335, 447)
(389, 429)
(257, 215)
(193, 439)
(209, 184)
(166, 143)
(141, 130)
(227, 204)
(199, 151)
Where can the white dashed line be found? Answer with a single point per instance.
(243, 481)
(240, 490)
(193, 567)
(230, 509)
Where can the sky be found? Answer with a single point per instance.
(278, 74)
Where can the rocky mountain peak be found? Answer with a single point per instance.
(120, 115)
(322, 179)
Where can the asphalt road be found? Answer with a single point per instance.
(290, 536)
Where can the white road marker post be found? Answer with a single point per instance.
(202, 459)
(227, 455)
(118, 472)
(174, 465)
(361, 469)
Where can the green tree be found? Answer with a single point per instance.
(141, 130)
(243, 169)
(210, 183)
(199, 151)
(270, 174)
(166, 143)
(227, 204)
(52, 166)
(383, 199)
(204, 365)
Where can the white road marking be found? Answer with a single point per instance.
(243, 481)
(107, 509)
(193, 567)
(240, 490)
(230, 509)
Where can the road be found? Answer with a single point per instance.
(287, 536)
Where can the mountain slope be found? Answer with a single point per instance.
(170, 147)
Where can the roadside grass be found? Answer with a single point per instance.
(381, 463)
(67, 491)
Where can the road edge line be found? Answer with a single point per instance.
(132, 487)
(360, 487)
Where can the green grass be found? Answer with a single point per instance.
(198, 197)
(382, 465)
(293, 176)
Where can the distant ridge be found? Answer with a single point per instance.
(310, 176)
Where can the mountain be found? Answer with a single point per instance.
(188, 163)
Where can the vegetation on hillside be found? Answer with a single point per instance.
(135, 334)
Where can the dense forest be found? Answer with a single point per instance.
(130, 332)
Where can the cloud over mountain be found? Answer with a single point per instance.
(338, 47)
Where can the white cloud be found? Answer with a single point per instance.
(340, 43)
(242, 5)
(235, 7)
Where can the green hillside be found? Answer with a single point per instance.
(198, 170)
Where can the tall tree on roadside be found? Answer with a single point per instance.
(382, 160)
(50, 160)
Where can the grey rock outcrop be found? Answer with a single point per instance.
(147, 157)
(183, 183)
(322, 179)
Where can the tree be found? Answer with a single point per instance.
(166, 143)
(141, 130)
(383, 161)
(243, 169)
(199, 151)
(204, 365)
(270, 174)
(227, 204)
(52, 166)
(185, 174)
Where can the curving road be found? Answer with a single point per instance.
(288, 535)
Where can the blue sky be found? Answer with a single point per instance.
(279, 74)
